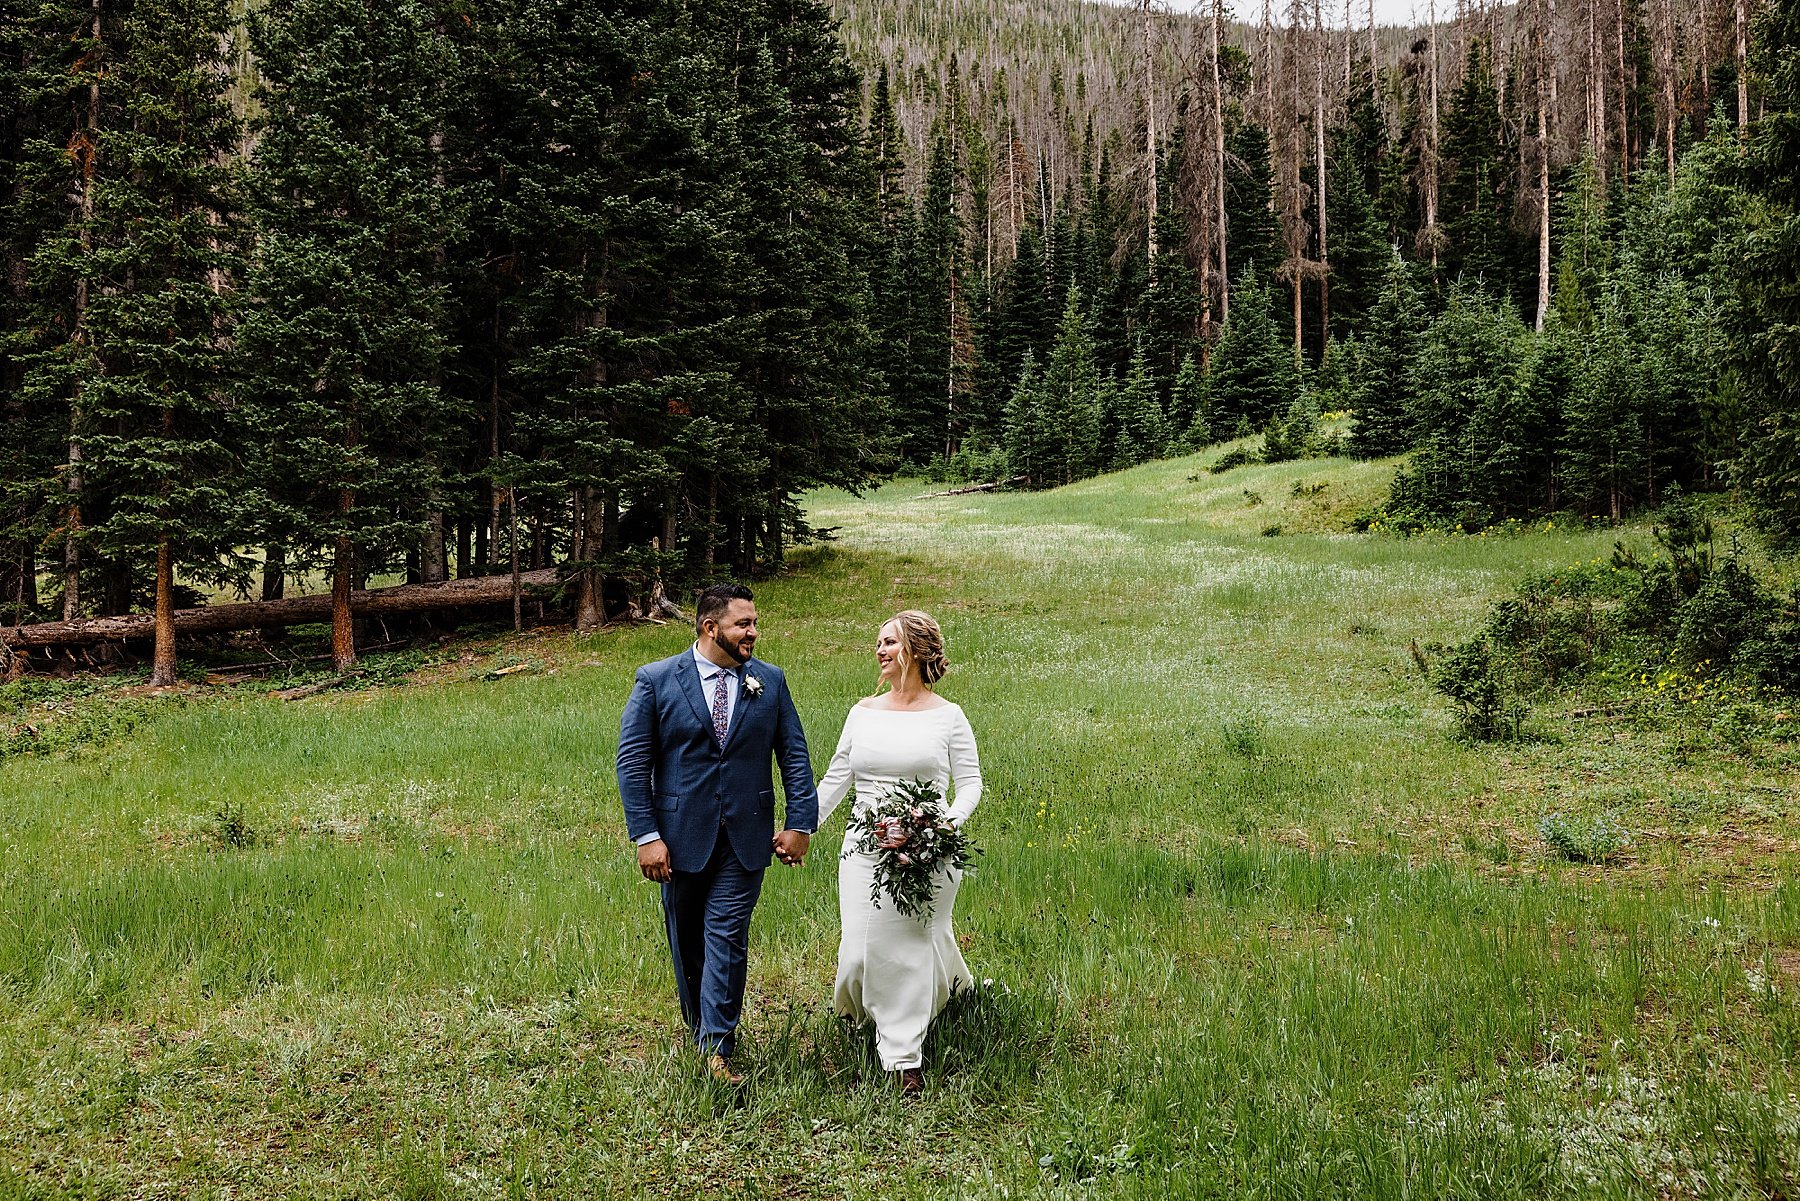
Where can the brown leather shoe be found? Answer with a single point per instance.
(720, 1068)
(912, 1081)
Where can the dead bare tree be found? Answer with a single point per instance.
(1150, 185)
(1544, 32)
(1324, 260)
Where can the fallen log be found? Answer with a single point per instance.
(257, 615)
(995, 486)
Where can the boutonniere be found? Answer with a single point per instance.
(752, 685)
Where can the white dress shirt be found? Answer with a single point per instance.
(709, 680)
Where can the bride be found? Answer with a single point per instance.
(894, 969)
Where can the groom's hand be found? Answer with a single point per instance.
(653, 861)
(790, 846)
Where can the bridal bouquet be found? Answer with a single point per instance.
(913, 809)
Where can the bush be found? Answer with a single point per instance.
(1476, 680)
(972, 463)
(1598, 839)
(1237, 456)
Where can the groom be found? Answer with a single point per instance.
(694, 747)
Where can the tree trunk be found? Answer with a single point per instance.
(343, 628)
(590, 603)
(1431, 177)
(1703, 61)
(162, 667)
(512, 509)
(1218, 115)
(1150, 142)
(1543, 173)
(274, 573)
(1319, 174)
(465, 553)
(1743, 80)
(434, 559)
(1596, 95)
(1624, 122)
(1668, 74)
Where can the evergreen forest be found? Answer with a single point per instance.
(442, 288)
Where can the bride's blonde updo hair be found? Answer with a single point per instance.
(921, 645)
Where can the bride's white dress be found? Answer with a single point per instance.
(895, 970)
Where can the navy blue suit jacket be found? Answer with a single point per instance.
(674, 778)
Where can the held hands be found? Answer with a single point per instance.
(653, 861)
(790, 847)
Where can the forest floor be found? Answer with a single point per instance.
(1251, 920)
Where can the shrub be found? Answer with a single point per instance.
(1476, 681)
(1237, 456)
(232, 827)
(1244, 735)
(1598, 839)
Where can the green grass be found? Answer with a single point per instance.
(1257, 924)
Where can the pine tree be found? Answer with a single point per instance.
(39, 49)
(1383, 424)
(1032, 442)
(1766, 342)
(931, 264)
(1466, 367)
(1141, 434)
(1477, 189)
(1604, 433)
(1253, 376)
(1583, 252)
(1253, 232)
(344, 337)
(886, 144)
(1021, 320)
(797, 293)
(134, 367)
(1071, 384)
(1190, 407)
(1360, 239)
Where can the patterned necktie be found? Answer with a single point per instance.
(720, 725)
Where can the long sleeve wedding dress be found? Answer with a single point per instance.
(895, 970)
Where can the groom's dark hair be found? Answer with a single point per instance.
(712, 602)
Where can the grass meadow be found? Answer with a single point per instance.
(1251, 922)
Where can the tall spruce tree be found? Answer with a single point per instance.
(1022, 319)
(1140, 432)
(1031, 436)
(799, 304)
(153, 421)
(1382, 380)
(1465, 369)
(126, 298)
(1766, 342)
(39, 49)
(1360, 237)
(1253, 376)
(1252, 230)
(344, 338)
(930, 275)
(1190, 408)
(1603, 454)
(1477, 200)
(1071, 386)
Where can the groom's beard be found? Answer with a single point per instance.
(737, 655)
